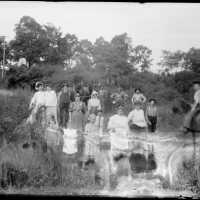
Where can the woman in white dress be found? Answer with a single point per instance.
(136, 118)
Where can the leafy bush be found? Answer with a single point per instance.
(24, 77)
(13, 109)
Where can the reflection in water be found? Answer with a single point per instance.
(152, 170)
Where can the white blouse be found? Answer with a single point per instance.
(137, 117)
(51, 98)
(38, 99)
(94, 102)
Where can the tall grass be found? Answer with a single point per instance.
(13, 110)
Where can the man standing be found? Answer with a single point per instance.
(85, 94)
(51, 104)
(64, 102)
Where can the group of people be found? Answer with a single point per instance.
(144, 114)
(82, 110)
(71, 108)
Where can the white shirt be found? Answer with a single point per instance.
(51, 98)
(94, 102)
(38, 99)
(137, 117)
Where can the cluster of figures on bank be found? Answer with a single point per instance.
(85, 113)
(73, 109)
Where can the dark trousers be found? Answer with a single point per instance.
(64, 116)
(152, 126)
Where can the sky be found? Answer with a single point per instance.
(159, 26)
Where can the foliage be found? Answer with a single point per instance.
(192, 60)
(27, 77)
(13, 111)
(142, 57)
(30, 40)
(183, 82)
(171, 61)
(180, 60)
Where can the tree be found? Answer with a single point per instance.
(67, 47)
(83, 57)
(30, 41)
(53, 36)
(112, 59)
(122, 47)
(102, 57)
(192, 60)
(102, 52)
(141, 57)
(172, 61)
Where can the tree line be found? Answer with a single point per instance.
(53, 55)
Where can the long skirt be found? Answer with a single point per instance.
(77, 121)
(64, 116)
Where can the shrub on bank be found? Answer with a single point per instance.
(13, 110)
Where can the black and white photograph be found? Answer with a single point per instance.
(100, 99)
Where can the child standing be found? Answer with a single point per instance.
(152, 115)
